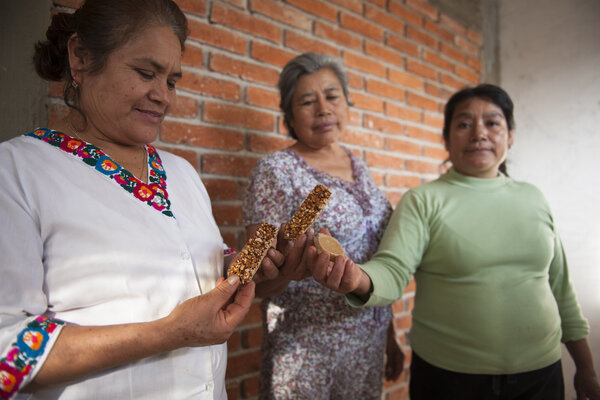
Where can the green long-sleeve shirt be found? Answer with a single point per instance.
(493, 291)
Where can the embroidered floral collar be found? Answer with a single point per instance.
(154, 193)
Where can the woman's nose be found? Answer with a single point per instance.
(479, 131)
(322, 107)
(160, 93)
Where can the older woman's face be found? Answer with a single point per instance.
(128, 99)
(479, 138)
(319, 109)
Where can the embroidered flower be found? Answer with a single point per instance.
(71, 145)
(143, 192)
(32, 341)
(10, 380)
(107, 166)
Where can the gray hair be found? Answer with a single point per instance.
(303, 64)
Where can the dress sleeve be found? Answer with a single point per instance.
(400, 252)
(26, 336)
(269, 193)
(574, 325)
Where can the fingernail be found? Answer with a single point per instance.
(233, 279)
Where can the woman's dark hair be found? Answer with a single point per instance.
(303, 64)
(102, 27)
(486, 92)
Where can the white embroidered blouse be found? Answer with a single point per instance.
(85, 242)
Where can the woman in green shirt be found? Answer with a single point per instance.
(493, 300)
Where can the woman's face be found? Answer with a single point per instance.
(479, 138)
(128, 99)
(319, 109)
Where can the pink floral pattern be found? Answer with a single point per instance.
(154, 193)
(24, 353)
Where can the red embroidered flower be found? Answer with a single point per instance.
(143, 192)
(10, 380)
(71, 145)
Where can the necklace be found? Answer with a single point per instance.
(143, 176)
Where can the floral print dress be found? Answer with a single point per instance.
(315, 345)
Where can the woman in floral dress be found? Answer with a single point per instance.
(316, 346)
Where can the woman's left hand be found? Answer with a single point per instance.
(394, 361)
(586, 385)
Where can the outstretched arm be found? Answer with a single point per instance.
(200, 321)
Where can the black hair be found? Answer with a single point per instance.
(486, 91)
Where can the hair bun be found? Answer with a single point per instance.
(51, 58)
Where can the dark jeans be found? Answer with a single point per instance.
(428, 382)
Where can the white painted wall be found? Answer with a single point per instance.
(550, 65)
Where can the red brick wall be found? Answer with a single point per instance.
(403, 57)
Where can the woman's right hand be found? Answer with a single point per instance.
(341, 275)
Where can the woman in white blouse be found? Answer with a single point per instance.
(111, 260)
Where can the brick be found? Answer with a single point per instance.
(438, 31)
(383, 124)
(261, 97)
(421, 69)
(453, 53)
(435, 59)
(202, 136)
(402, 146)
(474, 36)
(384, 19)
(365, 64)
(352, 5)
(221, 189)
(393, 196)
(400, 393)
(451, 81)
(402, 181)
(234, 343)
(242, 364)
(192, 56)
(229, 114)
(395, 7)
(423, 8)
(462, 43)
(383, 160)
(362, 138)
(380, 3)
(233, 389)
(403, 45)
(354, 117)
(278, 11)
(238, 20)
(333, 33)
(475, 64)
(433, 90)
(224, 164)
(361, 26)
(378, 177)
(355, 81)
(303, 44)
(197, 7)
(366, 102)
(402, 112)
(253, 337)
(207, 85)
(317, 8)
(57, 112)
(227, 214)
(466, 73)
(435, 121)
(426, 103)
(250, 387)
(185, 107)
(406, 79)
(232, 237)
(270, 54)
(267, 144)
(385, 89)
(384, 53)
(423, 134)
(216, 36)
(422, 167)
(189, 155)
(421, 37)
(244, 70)
(254, 316)
(435, 152)
(238, 3)
(454, 25)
